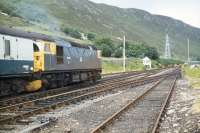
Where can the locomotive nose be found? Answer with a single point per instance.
(34, 86)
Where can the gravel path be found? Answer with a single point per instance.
(179, 117)
(84, 117)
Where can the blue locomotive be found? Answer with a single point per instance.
(30, 61)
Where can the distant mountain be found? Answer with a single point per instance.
(105, 20)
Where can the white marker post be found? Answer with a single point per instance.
(124, 54)
(188, 41)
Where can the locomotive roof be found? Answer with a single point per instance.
(83, 46)
(32, 35)
(64, 42)
(24, 34)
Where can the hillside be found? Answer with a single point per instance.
(105, 20)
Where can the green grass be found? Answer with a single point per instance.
(112, 65)
(109, 67)
(193, 75)
(192, 72)
(96, 18)
(12, 21)
(134, 65)
(115, 65)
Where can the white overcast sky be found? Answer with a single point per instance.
(185, 10)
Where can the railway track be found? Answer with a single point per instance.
(102, 82)
(121, 74)
(24, 98)
(142, 114)
(106, 77)
(15, 113)
(111, 76)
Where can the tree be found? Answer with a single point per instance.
(67, 31)
(106, 46)
(198, 58)
(166, 62)
(106, 50)
(91, 36)
(152, 53)
(118, 53)
(75, 34)
(139, 50)
(72, 32)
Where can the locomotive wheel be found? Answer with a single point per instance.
(18, 86)
(5, 88)
(11, 87)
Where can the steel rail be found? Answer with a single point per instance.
(37, 110)
(118, 73)
(86, 89)
(75, 92)
(126, 107)
(37, 95)
(24, 98)
(156, 125)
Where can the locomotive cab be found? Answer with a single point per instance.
(37, 58)
(43, 55)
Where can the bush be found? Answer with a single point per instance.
(140, 50)
(72, 32)
(118, 53)
(67, 31)
(152, 53)
(167, 62)
(106, 46)
(137, 50)
(106, 50)
(197, 58)
(9, 9)
(91, 36)
(75, 34)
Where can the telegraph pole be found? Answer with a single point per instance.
(124, 54)
(188, 43)
(167, 48)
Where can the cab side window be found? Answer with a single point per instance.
(36, 48)
(59, 54)
(47, 47)
(7, 48)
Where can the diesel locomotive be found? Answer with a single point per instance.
(32, 61)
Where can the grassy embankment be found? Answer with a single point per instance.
(193, 75)
(11, 21)
(113, 65)
(110, 66)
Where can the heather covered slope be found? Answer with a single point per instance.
(103, 20)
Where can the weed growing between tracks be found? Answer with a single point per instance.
(181, 115)
(193, 76)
